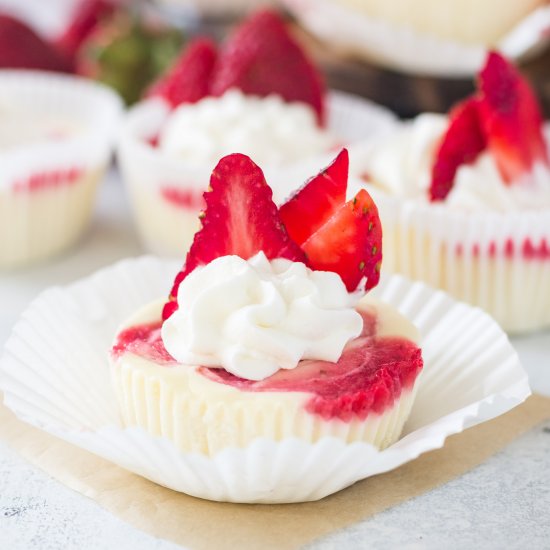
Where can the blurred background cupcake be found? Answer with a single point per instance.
(259, 94)
(56, 138)
(465, 199)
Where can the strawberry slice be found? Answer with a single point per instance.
(349, 243)
(188, 80)
(22, 48)
(319, 198)
(336, 236)
(240, 218)
(461, 144)
(511, 117)
(262, 58)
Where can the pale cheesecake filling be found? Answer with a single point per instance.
(21, 127)
(370, 377)
(401, 165)
(254, 317)
(264, 128)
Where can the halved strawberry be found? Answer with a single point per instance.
(262, 58)
(188, 80)
(461, 144)
(511, 117)
(240, 218)
(349, 243)
(319, 198)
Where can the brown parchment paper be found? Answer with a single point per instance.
(201, 524)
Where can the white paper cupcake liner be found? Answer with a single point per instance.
(408, 50)
(148, 174)
(497, 261)
(47, 188)
(55, 375)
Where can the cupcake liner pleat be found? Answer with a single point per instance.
(497, 261)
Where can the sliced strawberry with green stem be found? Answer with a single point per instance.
(318, 199)
(188, 81)
(461, 144)
(262, 58)
(511, 118)
(240, 219)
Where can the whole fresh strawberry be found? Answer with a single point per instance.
(128, 53)
(262, 58)
(22, 48)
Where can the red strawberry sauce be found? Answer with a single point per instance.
(368, 377)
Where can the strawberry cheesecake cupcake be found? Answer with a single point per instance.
(258, 94)
(267, 332)
(465, 199)
(56, 135)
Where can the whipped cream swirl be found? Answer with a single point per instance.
(254, 317)
(401, 164)
(268, 129)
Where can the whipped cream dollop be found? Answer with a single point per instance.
(401, 164)
(254, 317)
(268, 129)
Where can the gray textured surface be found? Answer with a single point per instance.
(504, 503)
(40, 513)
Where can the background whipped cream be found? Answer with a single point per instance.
(401, 164)
(254, 317)
(269, 130)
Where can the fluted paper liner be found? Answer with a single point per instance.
(205, 525)
(408, 50)
(41, 222)
(55, 375)
(146, 171)
(498, 261)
